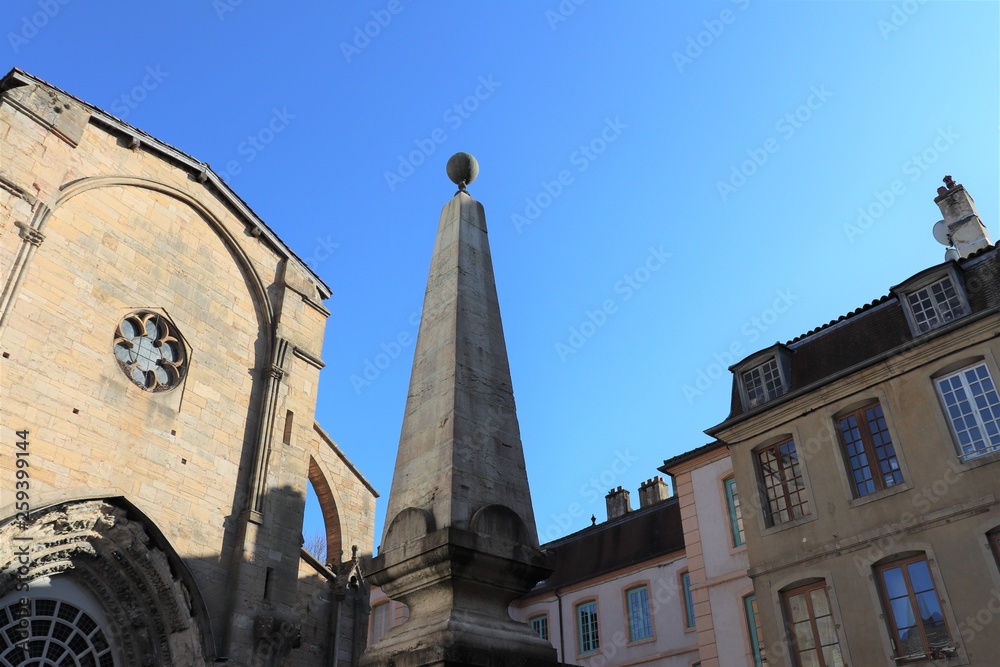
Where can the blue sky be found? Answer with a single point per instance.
(669, 186)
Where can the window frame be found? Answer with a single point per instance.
(805, 590)
(626, 597)
(751, 614)
(543, 616)
(869, 449)
(778, 354)
(926, 280)
(578, 608)
(737, 527)
(976, 413)
(687, 600)
(771, 515)
(890, 620)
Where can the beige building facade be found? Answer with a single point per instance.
(871, 449)
(161, 356)
(724, 602)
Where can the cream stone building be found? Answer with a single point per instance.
(869, 454)
(160, 363)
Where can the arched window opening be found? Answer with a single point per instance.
(322, 519)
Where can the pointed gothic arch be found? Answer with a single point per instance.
(331, 515)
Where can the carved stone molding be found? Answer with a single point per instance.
(112, 557)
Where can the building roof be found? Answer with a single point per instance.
(871, 333)
(634, 538)
(689, 455)
(201, 170)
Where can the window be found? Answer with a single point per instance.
(913, 610)
(811, 626)
(55, 633)
(688, 600)
(149, 350)
(640, 621)
(380, 621)
(782, 485)
(540, 624)
(735, 514)
(753, 626)
(867, 445)
(762, 383)
(973, 406)
(994, 538)
(586, 627)
(935, 305)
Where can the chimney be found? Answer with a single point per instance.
(618, 503)
(961, 223)
(653, 491)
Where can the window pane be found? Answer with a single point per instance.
(735, 513)
(974, 410)
(380, 621)
(762, 383)
(915, 608)
(688, 601)
(782, 483)
(640, 620)
(540, 624)
(813, 629)
(756, 640)
(587, 627)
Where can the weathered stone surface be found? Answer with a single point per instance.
(92, 229)
(460, 540)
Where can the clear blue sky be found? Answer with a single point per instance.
(694, 170)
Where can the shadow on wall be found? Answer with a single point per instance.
(99, 568)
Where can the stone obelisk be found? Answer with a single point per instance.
(460, 540)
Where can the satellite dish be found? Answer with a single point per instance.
(941, 233)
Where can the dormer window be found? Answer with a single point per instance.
(933, 298)
(763, 376)
(934, 305)
(762, 383)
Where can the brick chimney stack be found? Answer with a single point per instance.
(964, 227)
(653, 491)
(618, 503)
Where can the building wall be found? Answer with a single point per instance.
(943, 509)
(97, 221)
(671, 645)
(718, 567)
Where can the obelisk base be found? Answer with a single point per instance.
(458, 586)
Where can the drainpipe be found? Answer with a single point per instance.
(562, 644)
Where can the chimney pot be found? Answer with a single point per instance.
(618, 503)
(653, 491)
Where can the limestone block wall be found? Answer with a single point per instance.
(97, 221)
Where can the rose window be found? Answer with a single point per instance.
(51, 633)
(150, 351)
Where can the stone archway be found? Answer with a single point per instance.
(331, 516)
(93, 543)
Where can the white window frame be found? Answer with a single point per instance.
(976, 412)
(943, 314)
(776, 355)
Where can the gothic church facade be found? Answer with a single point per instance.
(161, 357)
